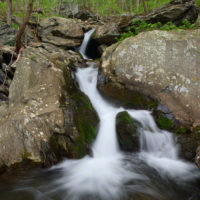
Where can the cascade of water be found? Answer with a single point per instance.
(106, 172)
(109, 173)
(87, 37)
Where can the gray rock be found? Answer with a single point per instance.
(42, 106)
(161, 65)
(61, 32)
(107, 33)
(175, 12)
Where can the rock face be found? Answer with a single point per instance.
(160, 65)
(61, 32)
(7, 34)
(41, 121)
(174, 12)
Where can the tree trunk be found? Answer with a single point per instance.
(23, 26)
(137, 5)
(9, 12)
(144, 6)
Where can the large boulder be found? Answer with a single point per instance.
(43, 120)
(62, 32)
(176, 11)
(159, 65)
(158, 69)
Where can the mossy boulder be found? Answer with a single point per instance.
(84, 119)
(127, 132)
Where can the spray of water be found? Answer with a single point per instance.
(108, 173)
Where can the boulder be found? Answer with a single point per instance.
(158, 65)
(127, 132)
(106, 34)
(44, 121)
(61, 32)
(7, 35)
(176, 11)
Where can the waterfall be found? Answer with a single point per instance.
(87, 37)
(106, 174)
(155, 172)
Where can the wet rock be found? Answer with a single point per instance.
(127, 132)
(41, 106)
(188, 144)
(61, 32)
(176, 11)
(197, 157)
(7, 34)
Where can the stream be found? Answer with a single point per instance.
(156, 172)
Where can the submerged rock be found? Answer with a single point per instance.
(61, 32)
(41, 121)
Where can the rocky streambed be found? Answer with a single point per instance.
(44, 117)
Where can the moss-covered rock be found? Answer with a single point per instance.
(84, 119)
(127, 132)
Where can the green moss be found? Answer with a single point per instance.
(181, 130)
(127, 132)
(85, 121)
(164, 123)
(124, 117)
(83, 100)
(84, 117)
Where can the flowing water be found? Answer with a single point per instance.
(154, 173)
(85, 42)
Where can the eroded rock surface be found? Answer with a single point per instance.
(61, 32)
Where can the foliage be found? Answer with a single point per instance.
(140, 26)
(100, 7)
